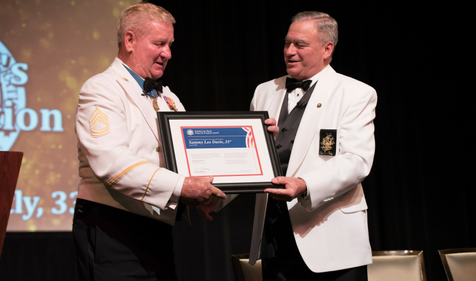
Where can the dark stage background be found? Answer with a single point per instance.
(419, 192)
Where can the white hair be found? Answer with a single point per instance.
(325, 25)
(136, 16)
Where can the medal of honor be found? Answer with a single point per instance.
(155, 104)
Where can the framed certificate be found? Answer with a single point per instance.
(235, 148)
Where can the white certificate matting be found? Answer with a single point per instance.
(227, 149)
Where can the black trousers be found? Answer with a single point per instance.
(113, 244)
(281, 260)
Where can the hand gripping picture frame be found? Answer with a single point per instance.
(235, 148)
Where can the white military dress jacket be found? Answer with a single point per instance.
(120, 157)
(330, 224)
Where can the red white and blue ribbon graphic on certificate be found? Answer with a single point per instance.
(221, 151)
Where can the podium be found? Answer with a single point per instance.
(10, 162)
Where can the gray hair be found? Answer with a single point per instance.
(136, 16)
(325, 25)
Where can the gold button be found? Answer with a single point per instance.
(319, 105)
(125, 79)
(158, 149)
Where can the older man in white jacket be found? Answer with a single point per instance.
(326, 148)
(127, 201)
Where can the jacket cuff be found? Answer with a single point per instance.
(174, 199)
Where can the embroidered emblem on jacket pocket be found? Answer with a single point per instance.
(327, 141)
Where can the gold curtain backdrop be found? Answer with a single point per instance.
(55, 46)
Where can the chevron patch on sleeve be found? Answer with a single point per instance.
(99, 123)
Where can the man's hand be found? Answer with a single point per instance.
(271, 122)
(207, 207)
(294, 188)
(197, 190)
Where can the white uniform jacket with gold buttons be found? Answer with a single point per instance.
(330, 225)
(120, 156)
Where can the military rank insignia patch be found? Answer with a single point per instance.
(327, 142)
(99, 123)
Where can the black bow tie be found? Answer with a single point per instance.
(150, 85)
(292, 84)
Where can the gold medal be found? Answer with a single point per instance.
(155, 104)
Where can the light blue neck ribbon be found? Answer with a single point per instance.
(140, 81)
